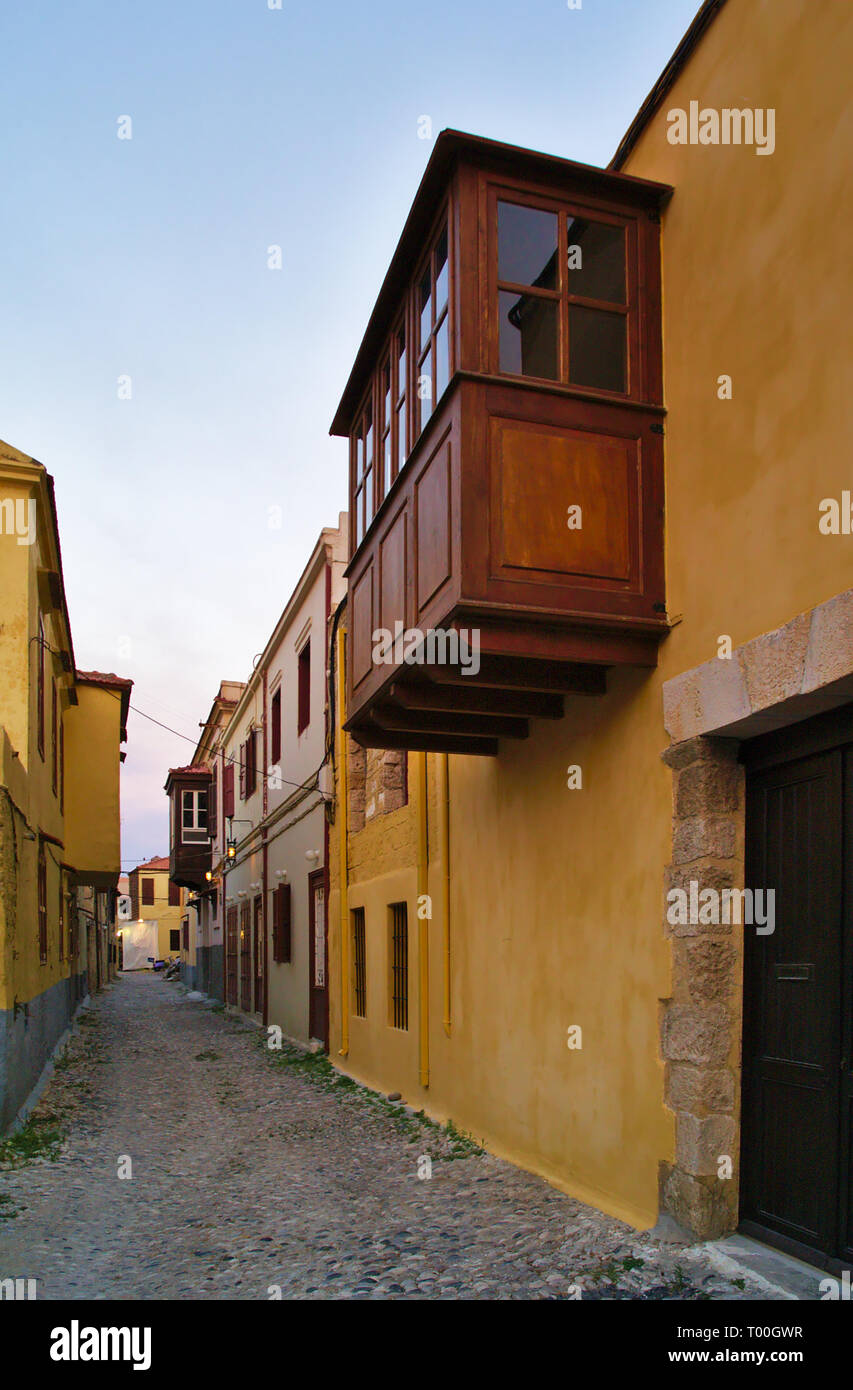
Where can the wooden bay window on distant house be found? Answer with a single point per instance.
(194, 817)
(523, 302)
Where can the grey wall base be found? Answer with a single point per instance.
(209, 965)
(29, 1037)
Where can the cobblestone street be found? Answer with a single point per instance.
(253, 1171)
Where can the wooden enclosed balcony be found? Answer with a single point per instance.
(191, 827)
(505, 419)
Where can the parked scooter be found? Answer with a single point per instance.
(173, 969)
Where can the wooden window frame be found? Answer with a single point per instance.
(195, 830)
(173, 944)
(359, 963)
(565, 210)
(250, 764)
(437, 321)
(213, 806)
(404, 400)
(398, 966)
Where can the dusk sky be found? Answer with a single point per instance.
(147, 258)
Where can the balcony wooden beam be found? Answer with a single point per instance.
(407, 741)
(389, 716)
(469, 698)
(546, 677)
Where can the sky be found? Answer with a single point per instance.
(147, 258)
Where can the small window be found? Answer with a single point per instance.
(364, 473)
(359, 963)
(148, 892)
(174, 895)
(175, 939)
(304, 689)
(194, 817)
(275, 727)
(399, 959)
(42, 904)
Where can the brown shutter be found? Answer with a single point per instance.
(228, 791)
(174, 895)
(243, 753)
(276, 925)
(213, 806)
(147, 892)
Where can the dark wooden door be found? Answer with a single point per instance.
(318, 992)
(245, 958)
(231, 956)
(795, 1154)
(258, 955)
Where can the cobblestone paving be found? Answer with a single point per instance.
(253, 1171)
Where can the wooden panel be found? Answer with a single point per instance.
(540, 474)
(393, 570)
(434, 525)
(361, 626)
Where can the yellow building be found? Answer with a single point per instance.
(60, 737)
(153, 898)
(538, 943)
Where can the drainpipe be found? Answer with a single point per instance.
(343, 818)
(423, 921)
(444, 762)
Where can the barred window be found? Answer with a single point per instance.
(359, 962)
(399, 956)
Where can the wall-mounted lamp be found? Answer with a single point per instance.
(241, 893)
(209, 876)
(313, 855)
(281, 873)
(232, 849)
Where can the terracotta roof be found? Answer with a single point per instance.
(104, 678)
(191, 767)
(161, 864)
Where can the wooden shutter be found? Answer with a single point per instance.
(213, 806)
(147, 892)
(228, 791)
(243, 753)
(174, 895)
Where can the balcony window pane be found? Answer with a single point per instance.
(597, 348)
(368, 496)
(441, 273)
(386, 394)
(425, 307)
(401, 436)
(527, 246)
(359, 457)
(442, 359)
(368, 438)
(359, 523)
(528, 335)
(425, 389)
(387, 457)
(596, 260)
(401, 368)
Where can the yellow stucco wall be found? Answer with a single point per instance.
(557, 895)
(168, 918)
(92, 819)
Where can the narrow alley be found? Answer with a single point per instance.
(250, 1173)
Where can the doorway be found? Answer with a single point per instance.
(797, 1093)
(318, 993)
